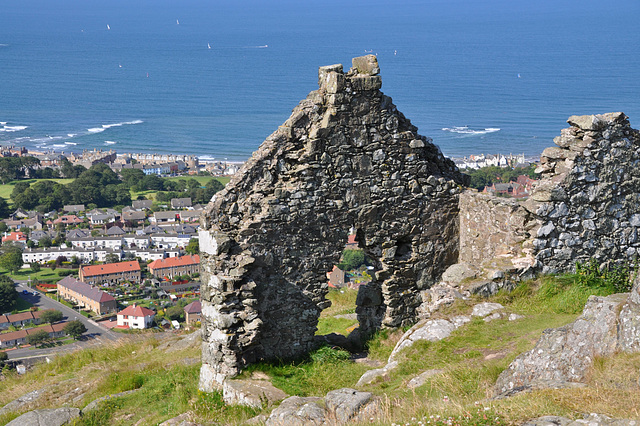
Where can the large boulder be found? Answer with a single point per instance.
(565, 355)
(343, 404)
(297, 410)
(252, 393)
(47, 417)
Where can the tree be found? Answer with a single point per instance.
(11, 258)
(8, 294)
(45, 241)
(3, 357)
(111, 258)
(351, 259)
(51, 316)
(38, 337)
(75, 328)
(35, 267)
(193, 247)
(175, 313)
(4, 211)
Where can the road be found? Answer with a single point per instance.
(94, 334)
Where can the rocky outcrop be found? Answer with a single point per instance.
(47, 417)
(564, 356)
(23, 402)
(345, 160)
(337, 407)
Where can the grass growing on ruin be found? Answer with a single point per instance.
(343, 302)
(323, 370)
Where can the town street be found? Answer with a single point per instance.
(93, 334)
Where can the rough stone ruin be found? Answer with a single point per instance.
(345, 160)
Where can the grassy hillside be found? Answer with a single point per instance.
(166, 371)
(6, 189)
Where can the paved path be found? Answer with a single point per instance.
(94, 334)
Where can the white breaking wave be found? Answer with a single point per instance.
(70, 143)
(108, 126)
(206, 158)
(72, 134)
(110, 142)
(58, 145)
(11, 129)
(465, 130)
(96, 130)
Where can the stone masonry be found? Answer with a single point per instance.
(345, 160)
(588, 200)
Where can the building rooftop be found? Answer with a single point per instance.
(174, 262)
(86, 290)
(110, 268)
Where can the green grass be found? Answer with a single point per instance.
(471, 360)
(202, 179)
(7, 188)
(323, 370)
(45, 274)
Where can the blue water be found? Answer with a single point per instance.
(521, 67)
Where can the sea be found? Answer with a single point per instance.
(215, 78)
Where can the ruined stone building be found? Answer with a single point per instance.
(348, 159)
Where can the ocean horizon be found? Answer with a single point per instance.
(215, 79)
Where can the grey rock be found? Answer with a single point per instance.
(485, 308)
(183, 419)
(420, 379)
(371, 375)
(252, 393)
(95, 404)
(458, 272)
(429, 330)
(19, 404)
(548, 421)
(343, 404)
(565, 354)
(47, 417)
(298, 411)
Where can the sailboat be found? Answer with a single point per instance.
(177, 22)
(108, 27)
(208, 45)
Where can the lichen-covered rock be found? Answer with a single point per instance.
(343, 404)
(47, 417)
(421, 378)
(251, 393)
(592, 419)
(429, 330)
(564, 355)
(346, 159)
(298, 411)
(21, 403)
(485, 308)
(629, 321)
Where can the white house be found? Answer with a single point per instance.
(135, 317)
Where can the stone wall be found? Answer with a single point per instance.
(494, 227)
(588, 201)
(345, 159)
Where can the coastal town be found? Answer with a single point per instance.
(137, 266)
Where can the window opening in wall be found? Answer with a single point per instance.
(355, 269)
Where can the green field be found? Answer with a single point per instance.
(6, 189)
(44, 274)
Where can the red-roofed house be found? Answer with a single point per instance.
(192, 312)
(352, 244)
(15, 236)
(15, 338)
(86, 295)
(111, 273)
(174, 266)
(135, 317)
(68, 219)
